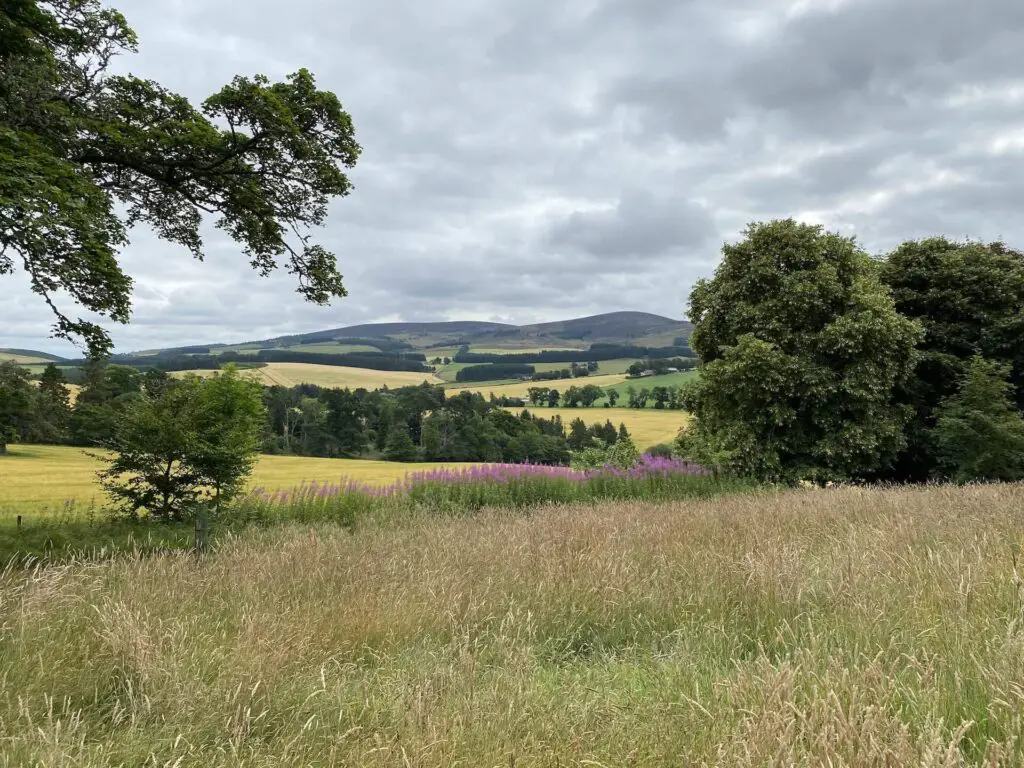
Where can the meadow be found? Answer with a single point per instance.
(293, 374)
(843, 626)
(646, 426)
(37, 480)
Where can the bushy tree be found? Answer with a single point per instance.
(85, 154)
(979, 433)
(229, 419)
(400, 445)
(53, 406)
(17, 399)
(969, 297)
(193, 436)
(802, 349)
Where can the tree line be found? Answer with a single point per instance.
(820, 363)
(416, 423)
(596, 353)
(377, 361)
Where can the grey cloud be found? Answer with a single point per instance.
(640, 225)
(527, 160)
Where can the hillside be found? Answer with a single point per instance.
(613, 327)
(27, 356)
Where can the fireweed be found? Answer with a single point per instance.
(468, 489)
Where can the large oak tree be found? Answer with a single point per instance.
(802, 352)
(86, 154)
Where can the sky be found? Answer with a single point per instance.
(530, 160)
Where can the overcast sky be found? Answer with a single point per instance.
(529, 160)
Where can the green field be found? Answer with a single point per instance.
(331, 348)
(649, 382)
(843, 627)
(39, 479)
(646, 426)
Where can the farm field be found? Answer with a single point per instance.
(331, 348)
(520, 388)
(647, 427)
(667, 380)
(12, 357)
(845, 626)
(512, 350)
(293, 374)
(39, 479)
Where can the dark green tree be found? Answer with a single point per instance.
(613, 397)
(802, 351)
(53, 406)
(979, 433)
(661, 397)
(17, 404)
(345, 422)
(969, 297)
(399, 446)
(579, 435)
(86, 154)
(553, 397)
(590, 394)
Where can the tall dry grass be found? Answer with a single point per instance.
(843, 627)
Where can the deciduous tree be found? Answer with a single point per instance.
(802, 351)
(86, 154)
(969, 297)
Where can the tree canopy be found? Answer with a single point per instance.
(969, 297)
(802, 349)
(86, 154)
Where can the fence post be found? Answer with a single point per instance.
(19, 521)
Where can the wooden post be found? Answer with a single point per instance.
(19, 521)
(202, 530)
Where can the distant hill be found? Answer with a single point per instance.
(609, 327)
(612, 327)
(28, 356)
(635, 328)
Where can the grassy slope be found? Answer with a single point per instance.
(291, 374)
(330, 348)
(38, 479)
(647, 427)
(650, 382)
(12, 357)
(841, 627)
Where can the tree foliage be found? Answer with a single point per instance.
(187, 438)
(86, 154)
(979, 433)
(969, 297)
(801, 348)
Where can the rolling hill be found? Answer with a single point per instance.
(28, 356)
(614, 327)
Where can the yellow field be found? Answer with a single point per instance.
(293, 374)
(520, 388)
(10, 357)
(41, 478)
(647, 427)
